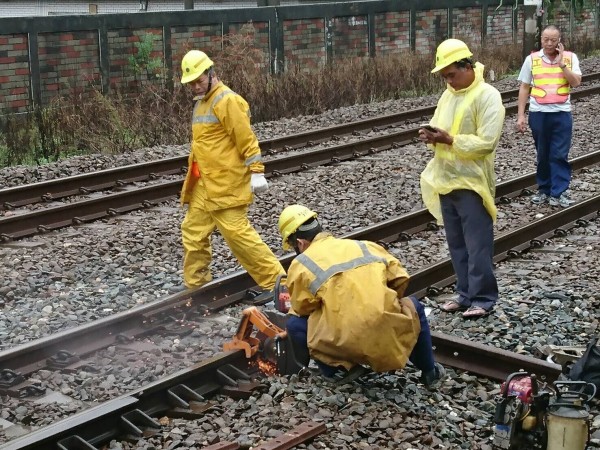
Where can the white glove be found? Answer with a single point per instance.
(258, 183)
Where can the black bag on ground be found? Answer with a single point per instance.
(588, 367)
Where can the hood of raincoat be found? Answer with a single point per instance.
(478, 69)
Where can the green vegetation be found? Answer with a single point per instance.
(142, 62)
(553, 7)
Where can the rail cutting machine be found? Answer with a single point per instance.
(270, 342)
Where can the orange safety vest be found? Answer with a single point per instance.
(549, 82)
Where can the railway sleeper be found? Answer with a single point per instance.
(23, 389)
(137, 424)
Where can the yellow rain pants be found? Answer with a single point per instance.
(224, 154)
(241, 237)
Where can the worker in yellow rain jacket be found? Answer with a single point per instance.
(224, 169)
(347, 302)
(459, 184)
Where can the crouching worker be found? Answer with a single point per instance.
(347, 302)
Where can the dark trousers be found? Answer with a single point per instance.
(470, 237)
(552, 134)
(421, 355)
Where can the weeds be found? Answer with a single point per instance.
(18, 140)
(85, 121)
(142, 61)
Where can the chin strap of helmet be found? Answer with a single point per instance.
(209, 74)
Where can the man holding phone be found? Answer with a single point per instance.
(459, 184)
(546, 78)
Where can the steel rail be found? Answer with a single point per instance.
(104, 422)
(76, 213)
(27, 224)
(488, 361)
(231, 289)
(46, 191)
(179, 395)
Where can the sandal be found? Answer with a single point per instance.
(453, 306)
(475, 312)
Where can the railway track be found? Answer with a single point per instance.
(451, 352)
(132, 198)
(69, 349)
(181, 395)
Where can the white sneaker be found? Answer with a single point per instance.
(562, 201)
(539, 198)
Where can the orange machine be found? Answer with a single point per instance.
(243, 339)
(270, 342)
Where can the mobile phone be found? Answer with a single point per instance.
(429, 128)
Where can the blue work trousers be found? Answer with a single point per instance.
(552, 132)
(421, 355)
(470, 237)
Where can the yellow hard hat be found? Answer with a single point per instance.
(290, 220)
(450, 51)
(194, 64)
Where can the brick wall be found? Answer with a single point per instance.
(392, 32)
(467, 23)
(431, 28)
(122, 46)
(585, 24)
(350, 36)
(499, 26)
(255, 37)
(68, 61)
(14, 73)
(304, 42)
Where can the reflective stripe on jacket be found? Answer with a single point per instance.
(225, 149)
(474, 116)
(352, 291)
(549, 82)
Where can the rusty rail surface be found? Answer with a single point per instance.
(83, 184)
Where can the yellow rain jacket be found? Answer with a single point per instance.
(224, 149)
(352, 291)
(474, 116)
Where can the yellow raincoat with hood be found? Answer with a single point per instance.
(352, 292)
(224, 154)
(474, 116)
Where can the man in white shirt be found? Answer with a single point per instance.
(546, 78)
